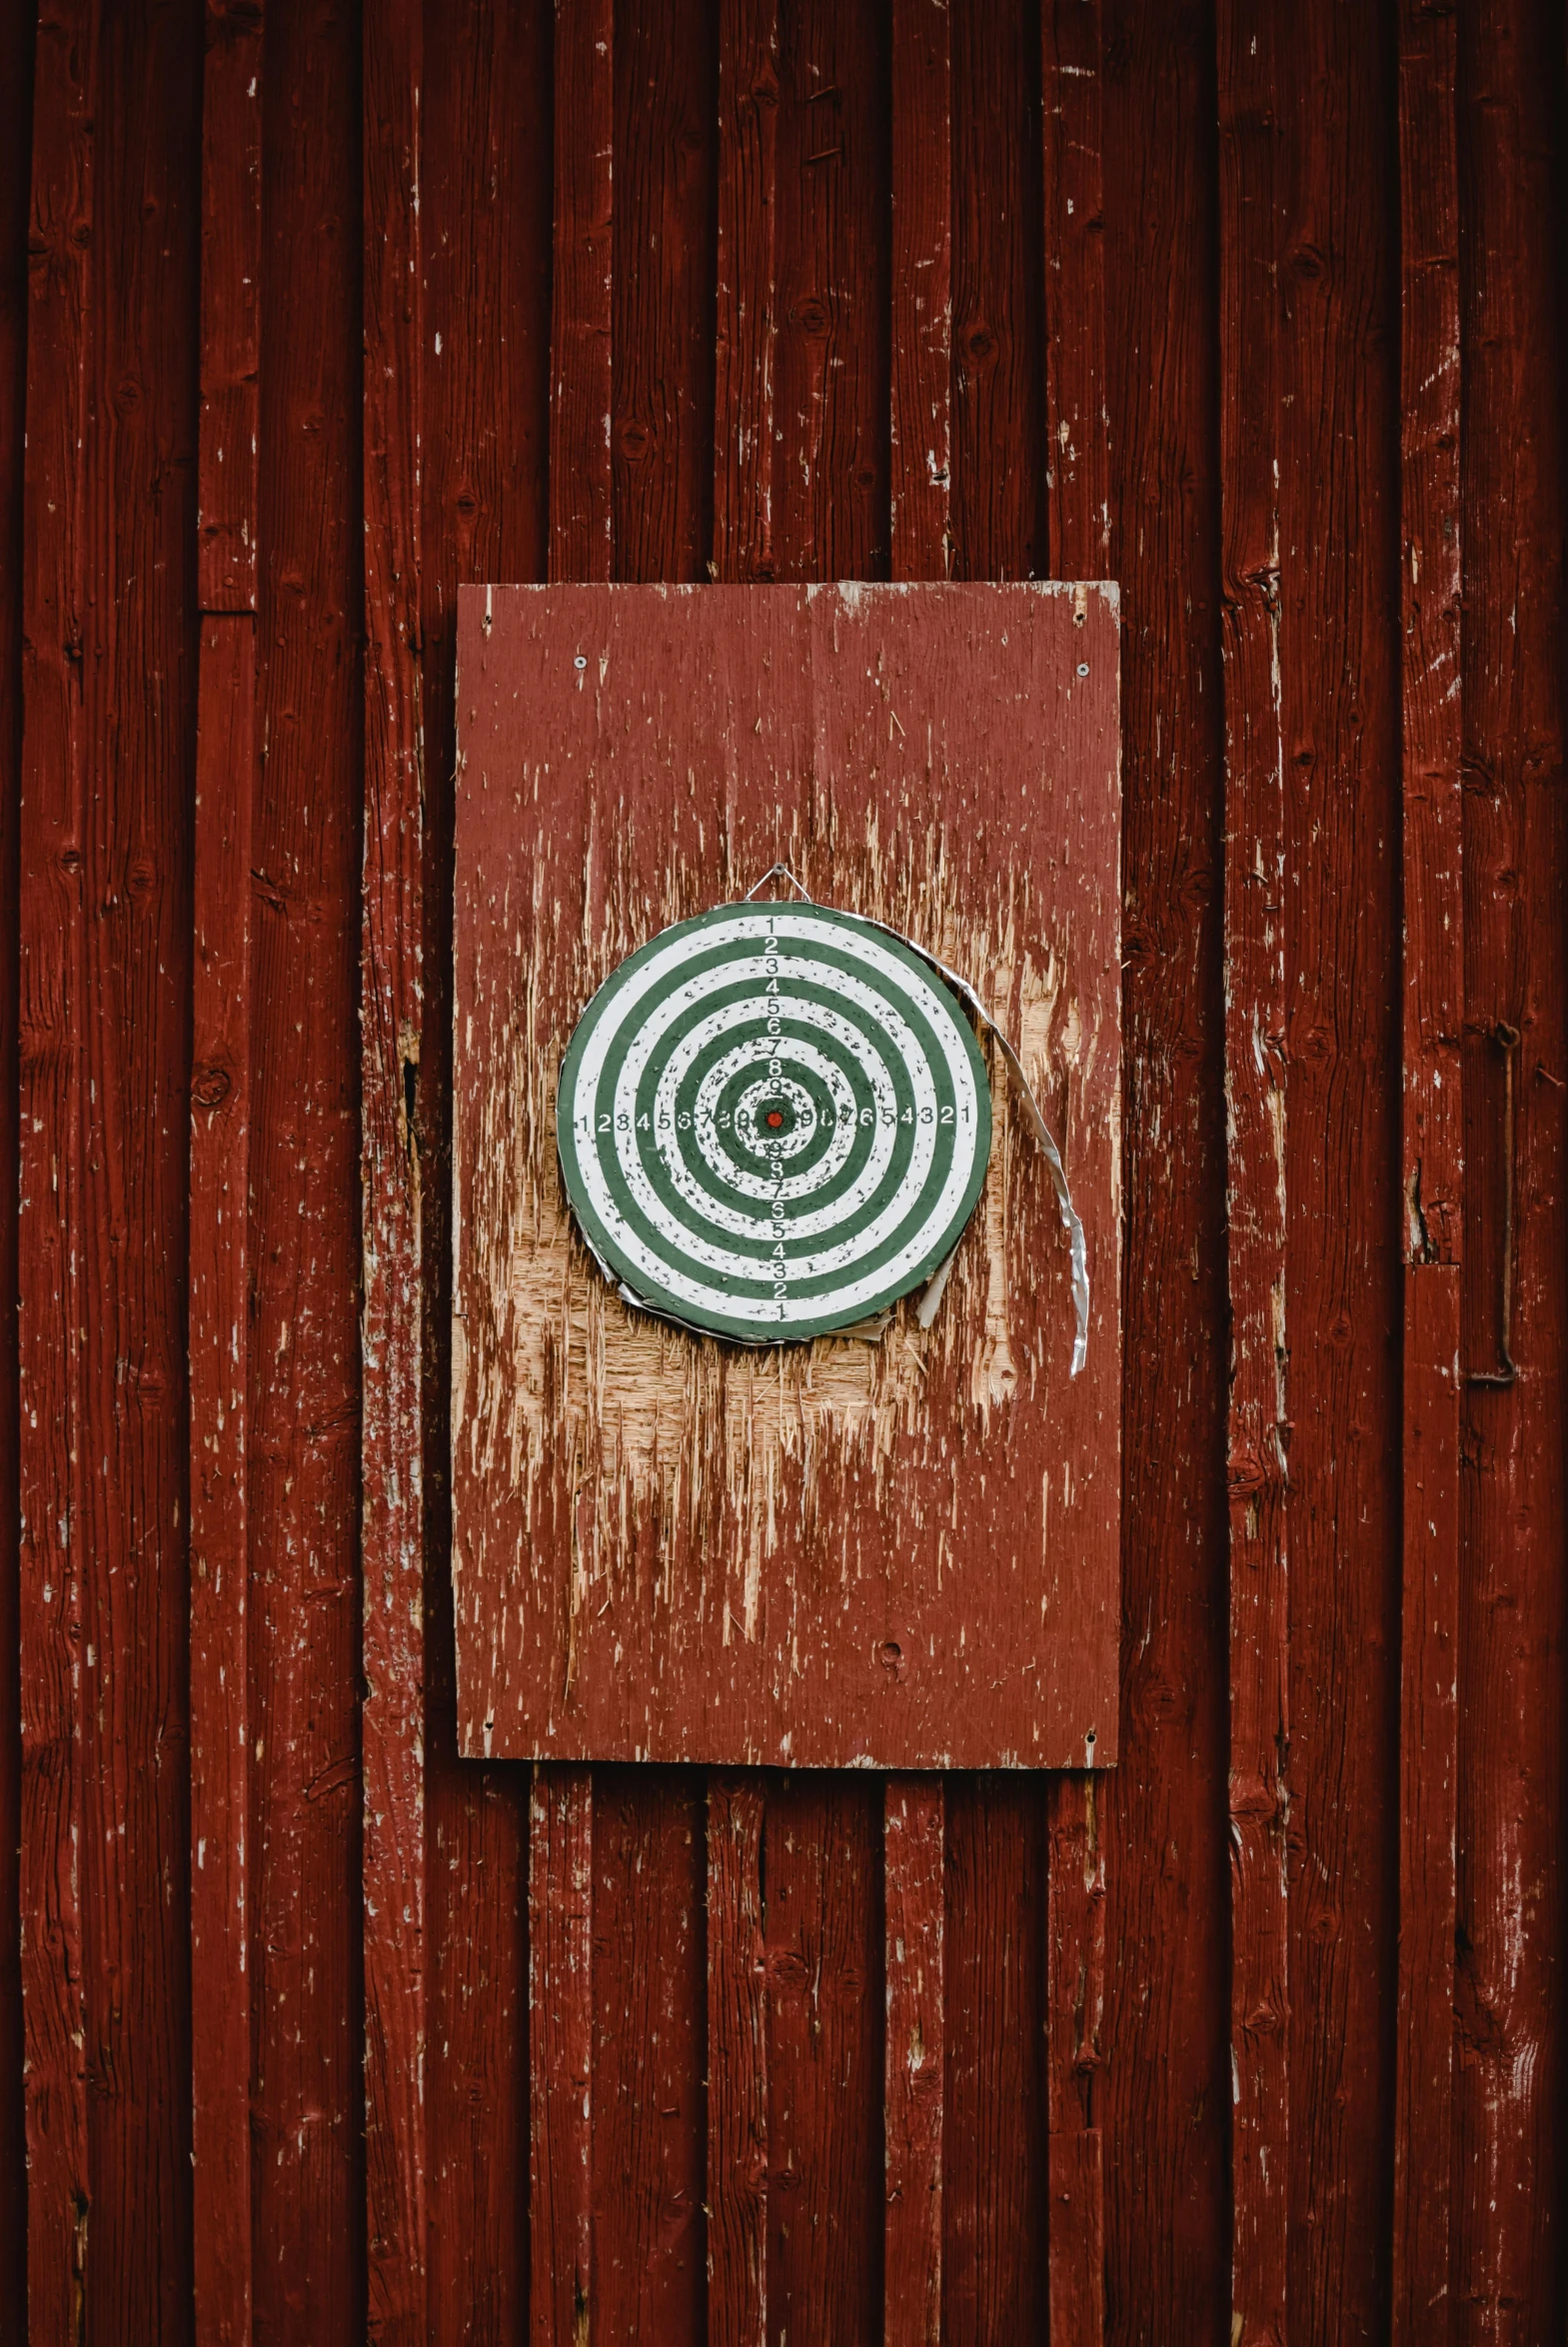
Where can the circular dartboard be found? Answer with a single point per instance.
(774, 1121)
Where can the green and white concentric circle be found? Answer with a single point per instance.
(774, 1121)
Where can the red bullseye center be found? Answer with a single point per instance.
(774, 1117)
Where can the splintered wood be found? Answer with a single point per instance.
(901, 1554)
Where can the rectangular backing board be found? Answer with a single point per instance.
(901, 1554)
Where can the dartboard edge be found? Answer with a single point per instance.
(773, 1122)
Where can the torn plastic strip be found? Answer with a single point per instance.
(1078, 1247)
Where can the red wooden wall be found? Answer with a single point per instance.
(301, 322)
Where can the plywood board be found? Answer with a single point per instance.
(901, 1554)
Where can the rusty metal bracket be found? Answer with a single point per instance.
(1507, 1040)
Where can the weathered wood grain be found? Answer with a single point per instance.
(1363, 2160)
(998, 382)
(701, 1556)
(800, 491)
(219, 1348)
(218, 1305)
(747, 292)
(650, 1951)
(16, 111)
(580, 398)
(914, 2057)
(738, 2145)
(1074, 2022)
(561, 1815)
(1339, 706)
(1073, 146)
(650, 2040)
(1509, 2150)
(560, 2056)
(1255, 1190)
(1164, 2091)
(995, 2281)
(920, 361)
(486, 206)
(914, 1808)
(665, 163)
(226, 517)
(105, 960)
(823, 1952)
(1433, 1164)
(306, 1612)
(1078, 516)
(50, 1271)
(392, 1424)
(139, 687)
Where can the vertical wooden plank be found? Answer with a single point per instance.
(1510, 2155)
(746, 298)
(113, 1103)
(220, 1419)
(560, 2061)
(561, 1814)
(800, 490)
(485, 208)
(666, 144)
(1165, 2087)
(822, 1940)
(998, 402)
(650, 1829)
(226, 514)
(219, 1293)
(1074, 2018)
(1433, 1163)
(50, 1277)
(921, 353)
(1078, 518)
(1337, 440)
(1254, 879)
(914, 1808)
(16, 106)
(580, 477)
(304, 1626)
(738, 2103)
(913, 1845)
(800, 466)
(995, 2252)
(650, 2037)
(1078, 428)
(392, 1424)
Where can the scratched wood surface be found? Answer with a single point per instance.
(776, 179)
(1256, 1112)
(698, 1555)
(15, 84)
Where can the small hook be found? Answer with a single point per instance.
(1508, 1039)
(776, 872)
